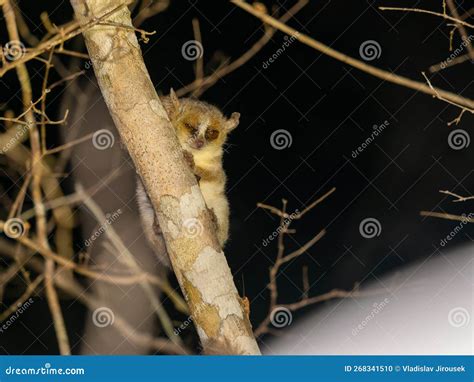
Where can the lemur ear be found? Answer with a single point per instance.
(232, 122)
(174, 100)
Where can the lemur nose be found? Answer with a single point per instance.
(199, 143)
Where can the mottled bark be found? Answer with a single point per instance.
(187, 225)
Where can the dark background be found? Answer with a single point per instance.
(329, 109)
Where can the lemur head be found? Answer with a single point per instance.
(199, 126)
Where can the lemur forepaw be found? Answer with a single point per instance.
(214, 218)
(192, 165)
(188, 157)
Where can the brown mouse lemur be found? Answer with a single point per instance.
(202, 130)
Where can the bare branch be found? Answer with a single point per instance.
(444, 15)
(379, 73)
(282, 258)
(459, 198)
(446, 216)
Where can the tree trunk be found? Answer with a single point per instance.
(198, 261)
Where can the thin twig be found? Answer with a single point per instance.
(296, 215)
(379, 73)
(20, 196)
(149, 8)
(462, 29)
(41, 230)
(282, 258)
(458, 197)
(127, 258)
(200, 86)
(75, 290)
(437, 94)
(25, 296)
(446, 216)
(199, 67)
(64, 34)
(178, 302)
(69, 145)
(417, 10)
(74, 198)
(448, 63)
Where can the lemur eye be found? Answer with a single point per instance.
(211, 134)
(190, 127)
